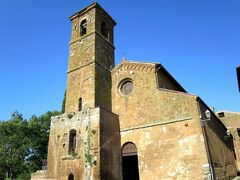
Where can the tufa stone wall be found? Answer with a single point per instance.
(91, 58)
(229, 119)
(110, 149)
(97, 154)
(80, 164)
(232, 121)
(147, 104)
(165, 126)
(168, 151)
(164, 81)
(220, 145)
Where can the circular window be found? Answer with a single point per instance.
(126, 87)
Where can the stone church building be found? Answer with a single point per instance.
(130, 121)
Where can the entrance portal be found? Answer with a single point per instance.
(70, 177)
(130, 162)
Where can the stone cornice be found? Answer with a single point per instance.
(80, 66)
(89, 63)
(157, 123)
(89, 34)
(133, 65)
(90, 7)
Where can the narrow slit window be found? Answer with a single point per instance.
(72, 141)
(80, 104)
(104, 30)
(83, 27)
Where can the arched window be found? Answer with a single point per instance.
(71, 177)
(72, 141)
(104, 29)
(83, 27)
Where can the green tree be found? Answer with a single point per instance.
(14, 146)
(23, 145)
(40, 128)
(64, 102)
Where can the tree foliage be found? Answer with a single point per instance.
(64, 103)
(14, 145)
(23, 145)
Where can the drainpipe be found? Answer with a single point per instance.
(206, 142)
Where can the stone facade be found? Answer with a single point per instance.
(131, 121)
(232, 121)
(97, 141)
(166, 127)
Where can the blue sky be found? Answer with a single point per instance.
(198, 42)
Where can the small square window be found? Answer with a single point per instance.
(221, 115)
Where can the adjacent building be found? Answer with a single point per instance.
(232, 121)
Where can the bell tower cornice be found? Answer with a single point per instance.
(90, 7)
(96, 32)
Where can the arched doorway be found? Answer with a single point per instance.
(130, 162)
(70, 177)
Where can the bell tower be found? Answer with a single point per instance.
(91, 58)
(84, 142)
